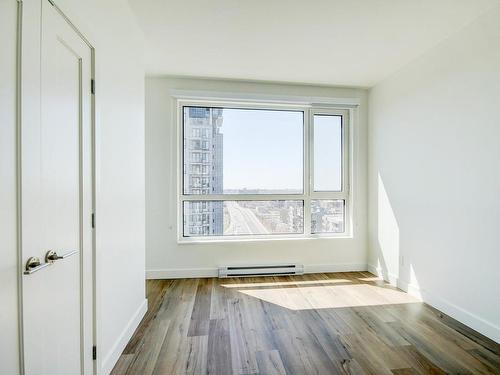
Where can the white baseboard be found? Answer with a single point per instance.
(471, 320)
(339, 267)
(411, 289)
(374, 270)
(111, 358)
(389, 277)
(186, 273)
(181, 273)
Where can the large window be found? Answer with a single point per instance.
(256, 171)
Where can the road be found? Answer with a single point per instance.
(243, 220)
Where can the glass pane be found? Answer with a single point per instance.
(232, 218)
(327, 216)
(327, 153)
(242, 151)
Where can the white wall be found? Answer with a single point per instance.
(120, 233)
(434, 176)
(120, 236)
(166, 258)
(9, 344)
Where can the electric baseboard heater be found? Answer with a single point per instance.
(261, 270)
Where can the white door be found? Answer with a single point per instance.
(56, 199)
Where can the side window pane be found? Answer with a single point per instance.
(327, 153)
(233, 218)
(327, 216)
(243, 151)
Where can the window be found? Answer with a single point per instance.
(254, 151)
(195, 145)
(195, 158)
(248, 217)
(252, 171)
(327, 130)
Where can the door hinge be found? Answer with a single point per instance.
(94, 352)
(93, 221)
(92, 86)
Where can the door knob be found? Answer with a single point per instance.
(33, 265)
(52, 256)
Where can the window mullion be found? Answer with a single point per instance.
(329, 195)
(243, 197)
(308, 168)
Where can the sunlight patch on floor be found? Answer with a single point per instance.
(330, 296)
(374, 278)
(285, 283)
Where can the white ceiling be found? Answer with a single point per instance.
(334, 42)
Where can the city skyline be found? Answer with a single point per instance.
(212, 135)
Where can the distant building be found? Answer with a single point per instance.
(203, 170)
(327, 216)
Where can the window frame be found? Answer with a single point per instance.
(308, 194)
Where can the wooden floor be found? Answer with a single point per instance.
(312, 324)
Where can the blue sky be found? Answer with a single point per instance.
(327, 153)
(264, 149)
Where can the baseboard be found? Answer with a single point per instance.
(471, 320)
(389, 277)
(186, 273)
(111, 358)
(181, 273)
(374, 270)
(411, 289)
(339, 267)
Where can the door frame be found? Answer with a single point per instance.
(28, 64)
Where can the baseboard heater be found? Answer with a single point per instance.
(261, 270)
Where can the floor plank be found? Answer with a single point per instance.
(329, 323)
(270, 363)
(219, 348)
(200, 316)
(147, 356)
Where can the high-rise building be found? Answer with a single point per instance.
(203, 169)
(327, 216)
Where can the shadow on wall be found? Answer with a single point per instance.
(391, 262)
(419, 244)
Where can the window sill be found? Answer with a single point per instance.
(219, 240)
